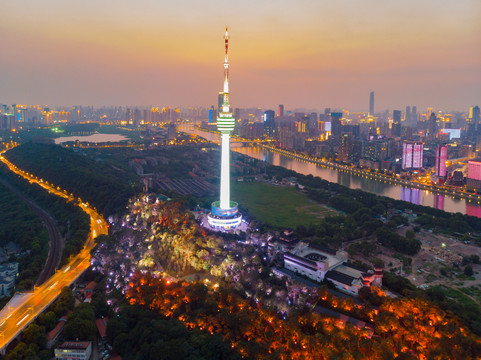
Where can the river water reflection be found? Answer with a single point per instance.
(380, 187)
(95, 138)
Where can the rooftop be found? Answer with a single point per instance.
(318, 253)
(75, 345)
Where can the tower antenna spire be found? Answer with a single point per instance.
(226, 70)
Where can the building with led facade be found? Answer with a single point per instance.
(473, 182)
(453, 133)
(224, 213)
(412, 155)
(440, 165)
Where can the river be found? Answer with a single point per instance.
(354, 181)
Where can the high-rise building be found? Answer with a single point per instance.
(269, 123)
(212, 114)
(441, 157)
(225, 213)
(396, 123)
(280, 111)
(336, 124)
(412, 155)
(408, 114)
(473, 181)
(345, 147)
(475, 117)
(171, 132)
(432, 126)
(371, 103)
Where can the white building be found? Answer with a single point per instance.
(319, 263)
(78, 350)
(8, 275)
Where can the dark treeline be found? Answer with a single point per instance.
(106, 188)
(21, 225)
(71, 220)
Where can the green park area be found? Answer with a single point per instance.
(278, 205)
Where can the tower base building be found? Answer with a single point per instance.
(224, 218)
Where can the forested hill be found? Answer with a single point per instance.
(106, 188)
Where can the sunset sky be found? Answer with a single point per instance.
(304, 53)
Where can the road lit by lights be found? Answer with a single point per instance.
(32, 304)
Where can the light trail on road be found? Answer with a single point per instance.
(32, 304)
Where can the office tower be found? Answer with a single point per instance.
(412, 155)
(313, 124)
(280, 111)
(441, 157)
(408, 114)
(336, 124)
(475, 117)
(137, 116)
(414, 114)
(301, 123)
(432, 124)
(371, 103)
(269, 123)
(396, 123)
(212, 114)
(128, 115)
(7, 121)
(224, 213)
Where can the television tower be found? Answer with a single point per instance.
(225, 213)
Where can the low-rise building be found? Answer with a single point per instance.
(8, 275)
(79, 350)
(54, 334)
(319, 263)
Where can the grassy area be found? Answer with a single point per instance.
(278, 205)
(474, 291)
(458, 295)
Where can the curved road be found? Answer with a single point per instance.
(14, 319)
(55, 239)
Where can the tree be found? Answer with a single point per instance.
(24, 351)
(468, 271)
(83, 330)
(49, 320)
(35, 334)
(65, 302)
(410, 235)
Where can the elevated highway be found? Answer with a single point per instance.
(13, 319)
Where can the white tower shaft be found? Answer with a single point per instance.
(225, 173)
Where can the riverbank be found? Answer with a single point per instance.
(476, 198)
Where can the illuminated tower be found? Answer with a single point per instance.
(225, 213)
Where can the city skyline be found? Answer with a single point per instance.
(303, 55)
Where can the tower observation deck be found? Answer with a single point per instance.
(224, 213)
